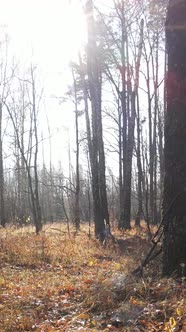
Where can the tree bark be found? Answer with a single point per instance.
(174, 243)
(97, 150)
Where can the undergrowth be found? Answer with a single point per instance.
(60, 282)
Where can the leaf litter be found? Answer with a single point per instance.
(52, 283)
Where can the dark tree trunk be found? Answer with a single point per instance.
(174, 243)
(128, 166)
(139, 167)
(102, 179)
(161, 153)
(156, 106)
(101, 157)
(97, 157)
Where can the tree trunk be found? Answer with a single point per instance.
(139, 167)
(128, 166)
(36, 203)
(77, 194)
(124, 112)
(174, 243)
(161, 153)
(102, 177)
(151, 155)
(155, 70)
(2, 210)
(130, 140)
(95, 82)
(120, 164)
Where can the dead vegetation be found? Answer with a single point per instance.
(53, 282)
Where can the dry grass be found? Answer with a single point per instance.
(53, 282)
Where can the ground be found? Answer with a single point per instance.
(58, 281)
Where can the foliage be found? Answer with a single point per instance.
(53, 282)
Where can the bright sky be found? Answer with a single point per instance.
(50, 29)
(48, 33)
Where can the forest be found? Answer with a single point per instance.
(93, 166)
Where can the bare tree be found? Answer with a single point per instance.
(77, 195)
(2, 209)
(33, 181)
(4, 87)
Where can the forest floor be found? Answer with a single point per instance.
(56, 282)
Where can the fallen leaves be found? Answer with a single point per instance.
(51, 283)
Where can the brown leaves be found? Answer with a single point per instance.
(51, 283)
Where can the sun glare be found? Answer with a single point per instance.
(75, 29)
(52, 31)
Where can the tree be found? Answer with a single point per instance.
(77, 195)
(32, 139)
(139, 166)
(3, 94)
(152, 55)
(174, 244)
(130, 140)
(2, 210)
(97, 156)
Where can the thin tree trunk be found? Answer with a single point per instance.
(2, 208)
(77, 194)
(37, 215)
(124, 112)
(139, 167)
(120, 165)
(156, 106)
(102, 177)
(151, 159)
(161, 154)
